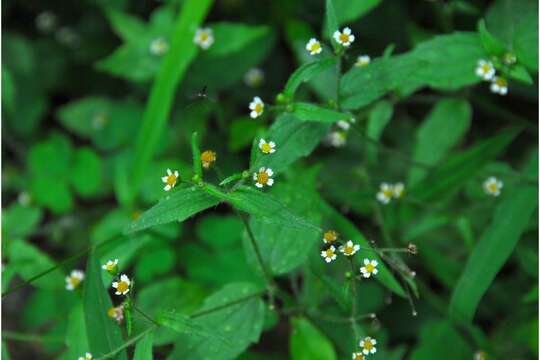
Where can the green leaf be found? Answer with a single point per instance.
(294, 139)
(492, 45)
(104, 334)
(504, 17)
(241, 133)
(434, 340)
(520, 73)
(143, 349)
(305, 73)
(219, 232)
(8, 90)
(526, 41)
(76, 338)
(379, 116)
(51, 193)
(312, 112)
(128, 27)
(154, 264)
(184, 202)
(19, 221)
(331, 21)
(230, 38)
(350, 232)
(509, 222)
(86, 174)
(237, 323)
(349, 11)
(309, 343)
(460, 168)
(444, 127)
(180, 55)
(51, 158)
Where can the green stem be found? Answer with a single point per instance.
(353, 317)
(148, 317)
(224, 306)
(127, 344)
(15, 336)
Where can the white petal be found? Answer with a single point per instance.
(366, 261)
(104, 267)
(347, 31)
(176, 173)
(375, 271)
(269, 172)
(169, 172)
(114, 285)
(258, 185)
(261, 142)
(167, 187)
(164, 179)
(270, 182)
(257, 99)
(351, 38)
(336, 35)
(374, 262)
(272, 144)
(253, 114)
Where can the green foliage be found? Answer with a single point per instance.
(307, 342)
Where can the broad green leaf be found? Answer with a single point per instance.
(492, 45)
(520, 73)
(504, 16)
(104, 334)
(331, 21)
(219, 231)
(237, 323)
(86, 174)
(19, 221)
(180, 55)
(460, 168)
(434, 340)
(312, 112)
(233, 37)
(294, 139)
(284, 248)
(76, 338)
(241, 133)
(183, 202)
(349, 11)
(155, 263)
(309, 343)
(51, 193)
(526, 41)
(28, 261)
(51, 158)
(495, 246)
(128, 27)
(444, 127)
(305, 73)
(349, 231)
(143, 349)
(379, 116)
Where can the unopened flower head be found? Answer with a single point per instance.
(398, 190)
(368, 345)
(267, 147)
(362, 60)
(509, 58)
(330, 236)
(329, 254)
(254, 77)
(485, 70)
(46, 22)
(204, 37)
(343, 124)
(344, 37)
(170, 179)
(207, 158)
(74, 279)
(369, 268)
(86, 356)
(24, 198)
(111, 266)
(256, 107)
(493, 186)
(499, 85)
(159, 46)
(336, 138)
(122, 286)
(313, 46)
(358, 356)
(385, 194)
(116, 313)
(480, 355)
(263, 177)
(349, 249)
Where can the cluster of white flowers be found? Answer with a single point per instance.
(74, 279)
(486, 71)
(329, 253)
(387, 192)
(338, 136)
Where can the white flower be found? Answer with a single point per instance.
(254, 77)
(370, 267)
(344, 37)
(499, 85)
(368, 345)
(74, 279)
(110, 265)
(263, 177)
(159, 46)
(349, 248)
(122, 286)
(345, 125)
(398, 190)
(256, 107)
(386, 191)
(330, 236)
(267, 147)
(336, 138)
(485, 70)
(362, 60)
(170, 179)
(492, 186)
(314, 46)
(358, 356)
(204, 37)
(86, 356)
(329, 254)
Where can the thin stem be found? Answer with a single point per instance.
(15, 336)
(338, 79)
(353, 317)
(148, 317)
(224, 306)
(128, 343)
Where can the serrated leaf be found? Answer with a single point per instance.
(495, 246)
(184, 202)
(312, 112)
(305, 73)
(309, 343)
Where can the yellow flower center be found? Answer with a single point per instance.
(259, 108)
(330, 236)
(344, 38)
(203, 36)
(329, 253)
(266, 148)
(387, 193)
(171, 180)
(122, 286)
(501, 82)
(486, 68)
(315, 46)
(359, 356)
(348, 250)
(370, 268)
(262, 177)
(493, 187)
(207, 158)
(110, 267)
(111, 312)
(368, 345)
(74, 281)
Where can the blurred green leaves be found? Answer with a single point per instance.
(307, 342)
